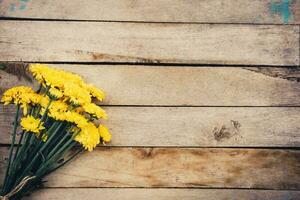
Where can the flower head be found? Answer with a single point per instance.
(104, 133)
(76, 118)
(95, 92)
(55, 93)
(94, 110)
(76, 94)
(57, 110)
(19, 95)
(49, 76)
(31, 124)
(88, 136)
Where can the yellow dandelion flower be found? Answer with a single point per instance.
(79, 110)
(17, 95)
(59, 106)
(57, 110)
(94, 110)
(37, 71)
(95, 92)
(56, 93)
(31, 124)
(104, 133)
(76, 94)
(49, 76)
(76, 118)
(6, 98)
(45, 75)
(44, 101)
(88, 137)
(35, 98)
(20, 95)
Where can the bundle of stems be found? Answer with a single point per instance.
(51, 127)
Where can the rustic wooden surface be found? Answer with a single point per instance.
(162, 194)
(208, 11)
(193, 126)
(148, 43)
(236, 88)
(181, 167)
(180, 86)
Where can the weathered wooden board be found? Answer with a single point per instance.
(188, 86)
(209, 11)
(193, 126)
(149, 43)
(180, 167)
(160, 194)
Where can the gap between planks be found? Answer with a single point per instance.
(136, 22)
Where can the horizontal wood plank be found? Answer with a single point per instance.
(180, 167)
(159, 194)
(193, 126)
(149, 43)
(180, 86)
(212, 11)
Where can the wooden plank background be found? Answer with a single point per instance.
(203, 96)
(162, 194)
(46, 41)
(195, 86)
(181, 167)
(207, 11)
(193, 126)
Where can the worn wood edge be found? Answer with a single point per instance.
(142, 43)
(179, 168)
(288, 73)
(192, 126)
(256, 12)
(159, 194)
(258, 86)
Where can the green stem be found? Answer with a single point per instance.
(31, 163)
(25, 155)
(45, 113)
(11, 148)
(67, 146)
(19, 144)
(58, 145)
(66, 161)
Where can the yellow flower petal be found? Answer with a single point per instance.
(31, 124)
(104, 133)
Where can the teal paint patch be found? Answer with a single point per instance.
(282, 8)
(12, 7)
(2, 66)
(22, 7)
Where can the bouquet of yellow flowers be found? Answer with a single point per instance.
(55, 118)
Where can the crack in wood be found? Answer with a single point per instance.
(288, 73)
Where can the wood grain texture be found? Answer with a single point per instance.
(160, 194)
(180, 167)
(208, 11)
(149, 43)
(180, 86)
(193, 126)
